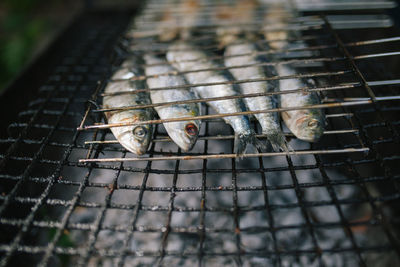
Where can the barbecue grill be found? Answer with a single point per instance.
(70, 194)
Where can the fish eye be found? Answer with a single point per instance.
(140, 131)
(313, 123)
(191, 129)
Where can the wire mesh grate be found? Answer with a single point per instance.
(75, 196)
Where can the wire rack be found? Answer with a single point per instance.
(70, 194)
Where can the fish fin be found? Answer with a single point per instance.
(242, 140)
(277, 140)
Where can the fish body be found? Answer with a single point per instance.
(173, 24)
(305, 124)
(185, 57)
(183, 133)
(235, 18)
(269, 121)
(135, 138)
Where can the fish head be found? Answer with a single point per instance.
(308, 126)
(183, 133)
(135, 139)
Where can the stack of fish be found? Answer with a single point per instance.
(169, 76)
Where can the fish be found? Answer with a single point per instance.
(183, 133)
(276, 19)
(269, 121)
(306, 124)
(175, 24)
(240, 49)
(135, 138)
(235, 19)
(186, 57)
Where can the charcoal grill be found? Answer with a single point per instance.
(70, 194)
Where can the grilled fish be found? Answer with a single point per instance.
(305, 124)
(183, 133)
(185, 57)
(136, 139)
(235, 17)
(173, 24)
(269, 121)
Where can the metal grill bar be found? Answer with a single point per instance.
(220, 137)
(347, 149)
(155, 33)
(27, 223)
(29, 219)
(272, 53)
(205, 100)
(145, 45)
(52, 245)
(377, 211)
(292, 61)
(145, 49)
(135, 213)
(316, 24)
(105, 253)
(352, 5)
(264, 23)
(194, 230)
(203, 203)
(235, 210)
(336, 202)
(99, 220)
(307, 204)
(171, 207)
(61, 202)
(224, 156)
(201, 117)
(272, 78)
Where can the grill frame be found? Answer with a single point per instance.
(378, 217)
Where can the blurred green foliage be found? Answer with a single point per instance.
(21, 29)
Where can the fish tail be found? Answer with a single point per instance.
(242, 140)
(278, 141)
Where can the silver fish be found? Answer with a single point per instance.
(235, 18)
(185, 57)
(136, 139)
(183, 133)
(305, 124)
(269, 121)
(171, 24)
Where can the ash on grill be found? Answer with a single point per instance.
(330, 203)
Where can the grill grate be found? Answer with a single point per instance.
(74, 195)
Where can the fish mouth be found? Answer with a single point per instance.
(138, 150)
(132, 144)
(184, 141)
